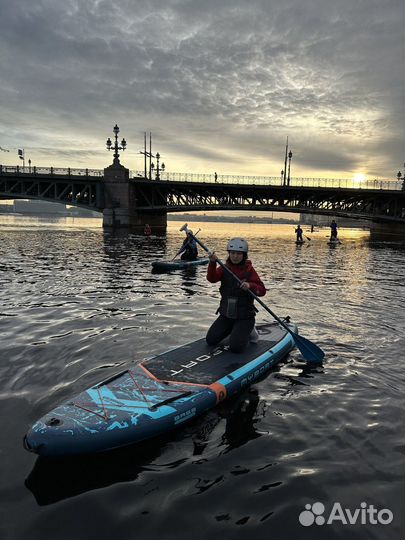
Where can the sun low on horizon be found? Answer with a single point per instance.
(359, 178)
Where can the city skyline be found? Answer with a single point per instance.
(219, 84)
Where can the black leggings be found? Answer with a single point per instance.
(188, 256)
(239, 331)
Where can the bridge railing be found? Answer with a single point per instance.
(51, 171)
(277, 181)
(212, 179)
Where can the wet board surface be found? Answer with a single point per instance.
(199, 363)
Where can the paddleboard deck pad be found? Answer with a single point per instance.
(156, 395)
(174, 265)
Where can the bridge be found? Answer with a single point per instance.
(128, 199)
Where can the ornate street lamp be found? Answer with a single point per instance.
(160, 168)
(115, 146)
(403, 181)
(399, 176)
(289, 167)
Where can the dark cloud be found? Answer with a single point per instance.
(219, 82)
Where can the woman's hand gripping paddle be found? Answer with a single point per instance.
(310, 351)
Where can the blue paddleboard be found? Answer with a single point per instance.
(156, 395)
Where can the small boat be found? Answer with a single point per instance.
(156, 395)
(174, 265)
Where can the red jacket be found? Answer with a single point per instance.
(245, 272)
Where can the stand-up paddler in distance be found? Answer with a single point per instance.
(188, 252)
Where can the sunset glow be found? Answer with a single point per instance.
(359, 177)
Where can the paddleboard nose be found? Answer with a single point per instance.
(47, 436)
(31, 445)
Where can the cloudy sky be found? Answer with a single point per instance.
(219, 83)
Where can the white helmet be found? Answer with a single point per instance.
(237, 244)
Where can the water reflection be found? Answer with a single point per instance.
(241, 420)
(53, 480)
(188, 276)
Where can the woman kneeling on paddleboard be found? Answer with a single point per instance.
(236, 310)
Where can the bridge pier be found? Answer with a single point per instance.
(120, 201)
(121, 218)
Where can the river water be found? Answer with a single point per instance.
(77, 303)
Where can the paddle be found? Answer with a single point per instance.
(310, 351)
(182, 247)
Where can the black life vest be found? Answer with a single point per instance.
(235, 302)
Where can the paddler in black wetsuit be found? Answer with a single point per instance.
(189, 251)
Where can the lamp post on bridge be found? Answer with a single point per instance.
(115, 146)
(21, 155)
(289, 167)
(158, 169)
(403, 181)
(399, 176)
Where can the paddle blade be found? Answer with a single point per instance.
(310, 351)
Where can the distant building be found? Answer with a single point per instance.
(22, 206)
(227, 218)
(38, 207)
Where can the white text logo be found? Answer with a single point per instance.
(365, 515)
